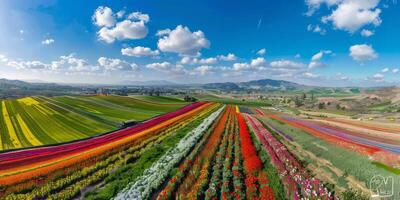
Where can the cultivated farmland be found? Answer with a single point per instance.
(203, 150)
(35, 121)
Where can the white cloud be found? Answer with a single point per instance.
(28, 65)
(103, 16)
(124, 30)
(314, 5)
(362, 52)
(315, 64)
(384, 70)
(139, 51)
(21, 31)
(351, 15)
(316, 29)
(133, 27)
(181, 40)
(202, 70)
(138, 16)
(287, 64)
(395, 70)
(378, 77)
(241, 66)
(315, 59)
(229, 57)
(164, 66)
(367, 33)
(208, 60)
(120, 14)
(64, 63)
(116, 64)
(3, 58)
(309, 75)
(258, 62)
(72, 63)
(192, 61)
(163, 32)
(48, 41)
(255, 64)
(261, 52)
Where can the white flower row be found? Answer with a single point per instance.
(154, 176)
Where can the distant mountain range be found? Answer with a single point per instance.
(260, 85)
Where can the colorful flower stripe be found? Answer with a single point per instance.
(252, 162)
(154, 176)
(255, 178)
(346, 135)
(197, 173)
(294, 176)
(376, 126)
(362, 148)
(286, 136)
(52, 164)
(37, 152)
(49, 185)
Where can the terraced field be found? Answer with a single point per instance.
(35, 121)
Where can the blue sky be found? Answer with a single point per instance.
(317, 42)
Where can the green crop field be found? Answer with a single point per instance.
(35, 121)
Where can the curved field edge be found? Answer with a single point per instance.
(37, 121)
(90, 170)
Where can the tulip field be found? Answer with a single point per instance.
(201, 150)
(36, 121)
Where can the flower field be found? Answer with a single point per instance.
(346, 153)
(50, 172)
(36, 121)
(203, 150)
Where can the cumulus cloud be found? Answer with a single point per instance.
(103, 16)
(133, 27)
(261, 52)
(184, 42)
(362, 52)
(116, 64)
(367, 33)
(160, 66)
(138, 16)
(203, 70)
(255, 64)
(72, 63)
(124, 30)
(315, 59)
(395, 70)
(314, 5)
(139, 51)
(192, 61)
(378, 77)
(316, 29)
(48, 41)
(163, 32)
(229, 57)
(351, 15)
(28, 65)
(287, 64)
(120, 14)
(63, 63)
(384, 70)
(309, 75)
